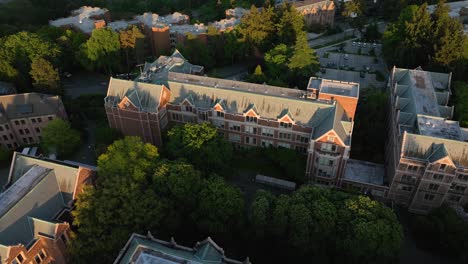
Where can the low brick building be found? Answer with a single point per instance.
(150, 250)
(33, 203)
(320, 12)
(246, 114)
(23, 116)
(426, 153)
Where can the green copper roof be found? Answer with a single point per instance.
(148, 250)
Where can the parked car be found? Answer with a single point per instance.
(354, 43)
(346, 57)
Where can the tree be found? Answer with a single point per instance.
(261, 212)
(101, 51)
(130, 39)
(5, 155)
(201, 146)
(290, 25)
(196, 51)
(443, 231)
(460, 90)
(105, 136)
(59, 137)
(17, 51)
(128, 157)
(45, 77)
(257, 27)
(354, 12)
(373, 227)
(221, 208)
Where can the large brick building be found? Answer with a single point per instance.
(426, 152)
(150, 250)
(34, 200)
(23, 116)
(311, 121)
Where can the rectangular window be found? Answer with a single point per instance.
(331, 139)
(5, 137)
(9, 146)
(408, 178)
(218, 123)
(219, 114)
(302, 139)
(33, 120)
(38, 130)
(252, 119)
(454, 198)
(26, 131)
(413, 168)
(407, 188)
(39, 120)
(438, 177)
(7, 127)
(50, 118)
(188, 108)
(433, 187)
(11, 136)
(301, 149)
(328, 147)
(458, 188)
(284, 135)
(235, 127)
(250, 141)
(25, 140)
(37, 259)
(17, 122)
(442, 167)
(234, 137)
(31, 140)
(267, 132)
(285, 124)
(284, 145)
(250, 130)
(463, 177)
(266, 143)
(429, 197)
(21, 132)
(176, 117)
(325, 162)
(1, 128)
(23, 122)
(203, 116)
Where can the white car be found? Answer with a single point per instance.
(354, 43)
(374, 45)
(364, 44)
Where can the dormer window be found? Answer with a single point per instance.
(188, 108)
(285, 124)
(442, 167)
(252, 119)
(220, 114)
(331, 139)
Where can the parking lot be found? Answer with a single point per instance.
(354, 62)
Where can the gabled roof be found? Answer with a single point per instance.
(39, 189)
(149, 250)
(143, 95)
(284, 113)
(338, 121)
(251, 107)
(29, 104)
(431, 149)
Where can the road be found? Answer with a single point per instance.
(85, 83)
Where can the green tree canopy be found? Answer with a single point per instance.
(59, 137)
(101, 51)
(128, 157)
(200, 145)
(419, 39)
(257, 27)
(17, 51)
(45, 77)
(442, 231)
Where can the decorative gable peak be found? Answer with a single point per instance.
(251, 111)
(285, 116)
(219, 105)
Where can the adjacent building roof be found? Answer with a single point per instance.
(82, 18)
(38, 190)
(28, 104)
(334, 87)
(149, 250)
(7, 88)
